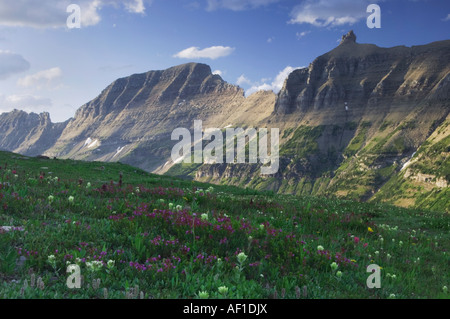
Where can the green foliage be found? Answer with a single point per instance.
(398, 145)
(441, 146)
(287, 132)
(356, 143)
(351, 126)
(8, 260)
(434, 159)
(384, 125)
(183, 170)
(138, 235)
(408, 125)
(394, 141)
(303, 142)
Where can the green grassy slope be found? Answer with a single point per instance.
(135, 234)
(423, 181)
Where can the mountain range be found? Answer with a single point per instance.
(361, 122)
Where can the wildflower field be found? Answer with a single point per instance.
(138, 235)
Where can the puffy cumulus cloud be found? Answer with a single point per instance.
(217, 72)
(275, 85)
(212, 53)
(324, 13)
(242, 80)
(11, 63)
(237, 5)
(41, 79)
(135, 6)
(53, 13)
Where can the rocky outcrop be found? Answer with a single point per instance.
(28, 134)
(367, 77)
(348, 38)
(427, 179)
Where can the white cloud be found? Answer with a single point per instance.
(89, 12)
(324, 13)
(275, 86)
(237, 5)
(212, 53)
(270, 40)
(42, 78)
(218, 72)
(11, 63)
(52, 14)
(24, 102)
(242, 80)
(136, 6)
(302, 34)
(447, 18)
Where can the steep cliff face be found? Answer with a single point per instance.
(28, 134)
(349, 123)
(353, 118)
(133, 118)
(424, 179)
(368, 78)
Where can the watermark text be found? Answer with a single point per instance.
(257, 143)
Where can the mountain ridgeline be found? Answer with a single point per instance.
(361, 122)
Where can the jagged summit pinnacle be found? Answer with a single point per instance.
(349, 37)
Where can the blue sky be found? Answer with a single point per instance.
(45, 66)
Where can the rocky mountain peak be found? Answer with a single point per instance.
(200, 69)
(357, 99)
(364, 75)
(350, 37)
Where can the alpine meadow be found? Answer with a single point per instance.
(235, 151)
